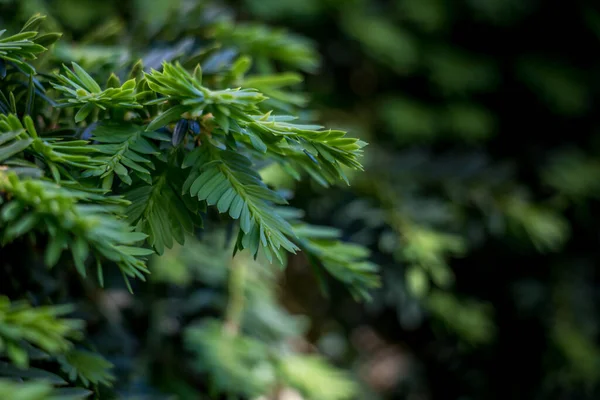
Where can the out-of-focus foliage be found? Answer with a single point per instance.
(251, 352)
(36, 391)
(480, 195)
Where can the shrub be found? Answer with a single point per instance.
(129, 176)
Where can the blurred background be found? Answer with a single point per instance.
(480, 195)
(479, 199)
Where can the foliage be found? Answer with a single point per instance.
(82, 90)
(25, 391)
(251, 351)
(87, 366)
(23, 46)
(39, 326)
(156, 174)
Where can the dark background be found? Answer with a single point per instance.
(468, 105)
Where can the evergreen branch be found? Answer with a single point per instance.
(269, 43)
(13, 143)
(331, 145)
(81, 90)
(162, 211)
(39, 205)
(35, 384)
(323, 151)
(185, 93)
(234, 362)
(31, 390)
(126, 148)
(90, 368)
(347, 262)
(547, 230)
(273, 86)
(53, 151)
(319, 152)
(44, 327)
(226, 179)
(315, 378)
(25, 45)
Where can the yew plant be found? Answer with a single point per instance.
(156, 173)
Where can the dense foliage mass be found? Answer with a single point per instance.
(479, 199)
(131, 169)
